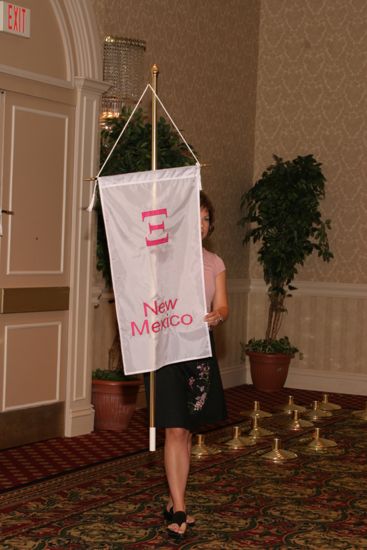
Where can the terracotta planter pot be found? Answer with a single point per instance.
(269, 371)
(114, 403)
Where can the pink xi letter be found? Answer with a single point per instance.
(155, 226)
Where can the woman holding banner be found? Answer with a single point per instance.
(190, 394)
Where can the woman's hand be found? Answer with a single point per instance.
(213, 318)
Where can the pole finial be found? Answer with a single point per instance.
(155, 69)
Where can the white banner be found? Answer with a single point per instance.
(153, 230)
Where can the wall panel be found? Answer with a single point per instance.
(37, 191)
(32, 364)
(326, 322)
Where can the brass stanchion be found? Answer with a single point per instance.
(239, 442)
(319, 443)
(291, 406)
(325, 404)
(316, 413)
(298, 424)
(256, 411)
(277, 454)
(257, 432)
(200, 449)
(362, 415)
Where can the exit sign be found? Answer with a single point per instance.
(15, 19)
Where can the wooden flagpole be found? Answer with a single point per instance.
(152, 429)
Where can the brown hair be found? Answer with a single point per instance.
(205, 202)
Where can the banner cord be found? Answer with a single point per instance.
(93, 199)
(175, 126)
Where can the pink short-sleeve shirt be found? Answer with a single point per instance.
(213, 265)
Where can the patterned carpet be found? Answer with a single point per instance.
(240, 500)
(44, 460)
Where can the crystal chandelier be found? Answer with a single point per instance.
(123, 67)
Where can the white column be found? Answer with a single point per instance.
(79, 413)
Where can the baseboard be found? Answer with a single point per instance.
(327, 381)
(79, 421)
(235, 375)
(28, 425)
(304, 379)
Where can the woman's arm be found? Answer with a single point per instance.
(220, 302)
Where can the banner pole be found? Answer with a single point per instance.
(152, 429)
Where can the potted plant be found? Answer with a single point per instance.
(281, 213)
(113, 393)
(114, 399)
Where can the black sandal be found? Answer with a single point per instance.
(179, 518)
(168, 515)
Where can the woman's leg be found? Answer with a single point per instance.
(177, 464)
(169, 506)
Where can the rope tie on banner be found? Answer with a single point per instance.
(148, 86)
(93, 199)
(175, 126)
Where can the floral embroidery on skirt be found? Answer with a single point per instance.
(199, 384)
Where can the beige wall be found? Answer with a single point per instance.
(312, 98)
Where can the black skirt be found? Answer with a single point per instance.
(188, 394)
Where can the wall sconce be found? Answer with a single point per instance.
(123, 67)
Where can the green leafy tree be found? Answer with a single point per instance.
(281, 213)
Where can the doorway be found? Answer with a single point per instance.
(48, 145)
